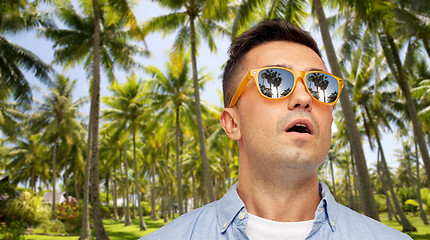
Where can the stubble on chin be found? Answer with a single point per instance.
(287, 163)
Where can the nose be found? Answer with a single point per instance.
(300, 98)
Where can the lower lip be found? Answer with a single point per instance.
(299, 134)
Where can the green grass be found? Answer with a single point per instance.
(117, 230)
(423, 232)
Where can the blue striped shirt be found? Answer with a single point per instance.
(227, 219)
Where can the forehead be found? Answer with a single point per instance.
(282, 53)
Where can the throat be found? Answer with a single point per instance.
(283, 204)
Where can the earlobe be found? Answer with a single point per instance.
(228, 121)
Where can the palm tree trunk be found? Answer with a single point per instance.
(411, 178)
(142, 224)
(403, 83)
(332, 177)
(407, 226)
(195, 202)
(391, 211)
(54, 172)
(153, 205)
(356, 185)
(178, 162)
(107, 187)
(95, 98)
(426, 45)
(206, 172)
(76, 186)
(348, 187)
(114, 195)
(65, 176)
(85, 225)
(133, 205)
(127, 218)
(121, 174)
(172, 193)
(33, 176)
(166, 185)
(420, 200)
(165, 188)
(366, 193)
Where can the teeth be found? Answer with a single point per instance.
(299, 127)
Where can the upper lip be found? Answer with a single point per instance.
(305, 122)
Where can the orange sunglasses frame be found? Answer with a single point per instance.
(253, 73)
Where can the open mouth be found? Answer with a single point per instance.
(300, 128)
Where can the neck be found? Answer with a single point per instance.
(293, 198)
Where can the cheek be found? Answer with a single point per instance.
(326, 132)
(257, 122)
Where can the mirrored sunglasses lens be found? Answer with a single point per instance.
(275, 83)
(323, 87)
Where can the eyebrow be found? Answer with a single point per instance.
(289, 66)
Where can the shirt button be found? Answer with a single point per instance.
(322, 210)
(224, 226)
(332, 223)
(241, 215)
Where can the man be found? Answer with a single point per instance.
(279, 101)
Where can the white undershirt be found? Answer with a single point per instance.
(259, 228)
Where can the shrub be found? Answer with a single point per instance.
(146, 208)
(70, 213)
(30, 209)
(13, 229)
(106, 211)
(381, 202)
(52, 226)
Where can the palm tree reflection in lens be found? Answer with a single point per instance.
(274, 81)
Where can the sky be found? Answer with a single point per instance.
(159, 47)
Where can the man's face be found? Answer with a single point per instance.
(268, 138)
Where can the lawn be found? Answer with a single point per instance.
(117, 230)
(423, 230)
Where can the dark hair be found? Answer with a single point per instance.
(263, 32)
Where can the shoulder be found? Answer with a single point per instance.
(187, 225)
(352, 223)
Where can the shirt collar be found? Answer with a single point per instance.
(329, 206)
(230, 205)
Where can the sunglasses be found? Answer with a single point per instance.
(279, 83)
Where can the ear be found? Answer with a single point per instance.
(229, 122)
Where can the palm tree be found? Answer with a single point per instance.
(410, 22)
(378, 21)
(173, 94)
(345, 164)
(57, 117)
(364, 63)
(192, 17)
(127, 218)
(85, 41)
(368, 199)
(406, 157)
(128, 107)
(10, 114)
(157, 135)
(110, 155)
(251, 11)
(17, 16)
(28, 160)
